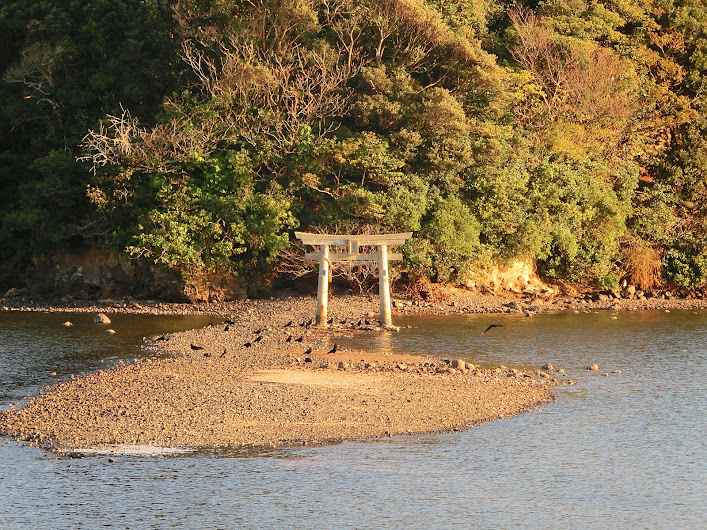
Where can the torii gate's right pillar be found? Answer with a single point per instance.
(384, 286)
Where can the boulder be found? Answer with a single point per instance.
(459, 364)
(594, 367)
(101, 318)
(547, 366)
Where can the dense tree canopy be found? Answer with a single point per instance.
(199, 133)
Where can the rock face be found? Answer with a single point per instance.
(101, 318)
(99, 273)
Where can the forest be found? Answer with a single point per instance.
(197, 135)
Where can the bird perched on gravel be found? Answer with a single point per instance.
(223, 354)
(309, 350)
(300, 339)
(195, 347)
(247, 345)
(288, 324)
(289, 338)
(260, 337)
(334, 349)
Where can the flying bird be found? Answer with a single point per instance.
(334, 349)
(492, 326)
(195, 347)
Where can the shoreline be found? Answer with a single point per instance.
(263, 378)
(447, 300)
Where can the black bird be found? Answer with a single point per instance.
(330, 321)
(258, 331)
(300, 339)
(492, 326)
(195, 347)
(247, 345)
(288, 324)
(342, 321)
(207, 354)
(334, 349)
(161, 337)
(358, 324)
(230, 322)
(289, 338)
(223, 354)
(226, 327)
(367, 322)
(309, 350)
(260, 337)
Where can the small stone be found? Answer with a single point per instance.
(594, 367)
(616, 372)
(459, 364)
(67, 324)
(11, 293)
(110, 331)
(547, 366)
(101, 318)
(605, 374)
(544, 375)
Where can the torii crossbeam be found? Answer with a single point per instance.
(352, 242)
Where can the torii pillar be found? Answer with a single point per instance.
(352, 243)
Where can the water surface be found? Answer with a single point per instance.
(622, 451)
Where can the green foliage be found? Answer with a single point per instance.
(586, 129)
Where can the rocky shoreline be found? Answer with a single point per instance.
(266, 376)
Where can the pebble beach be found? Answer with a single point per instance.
(262, 374)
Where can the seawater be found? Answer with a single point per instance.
(619, 451)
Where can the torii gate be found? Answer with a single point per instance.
(352, 242)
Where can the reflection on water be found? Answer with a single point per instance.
(626, 450)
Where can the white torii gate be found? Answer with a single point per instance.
(352, 242)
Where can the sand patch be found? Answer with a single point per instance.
(318, 379)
